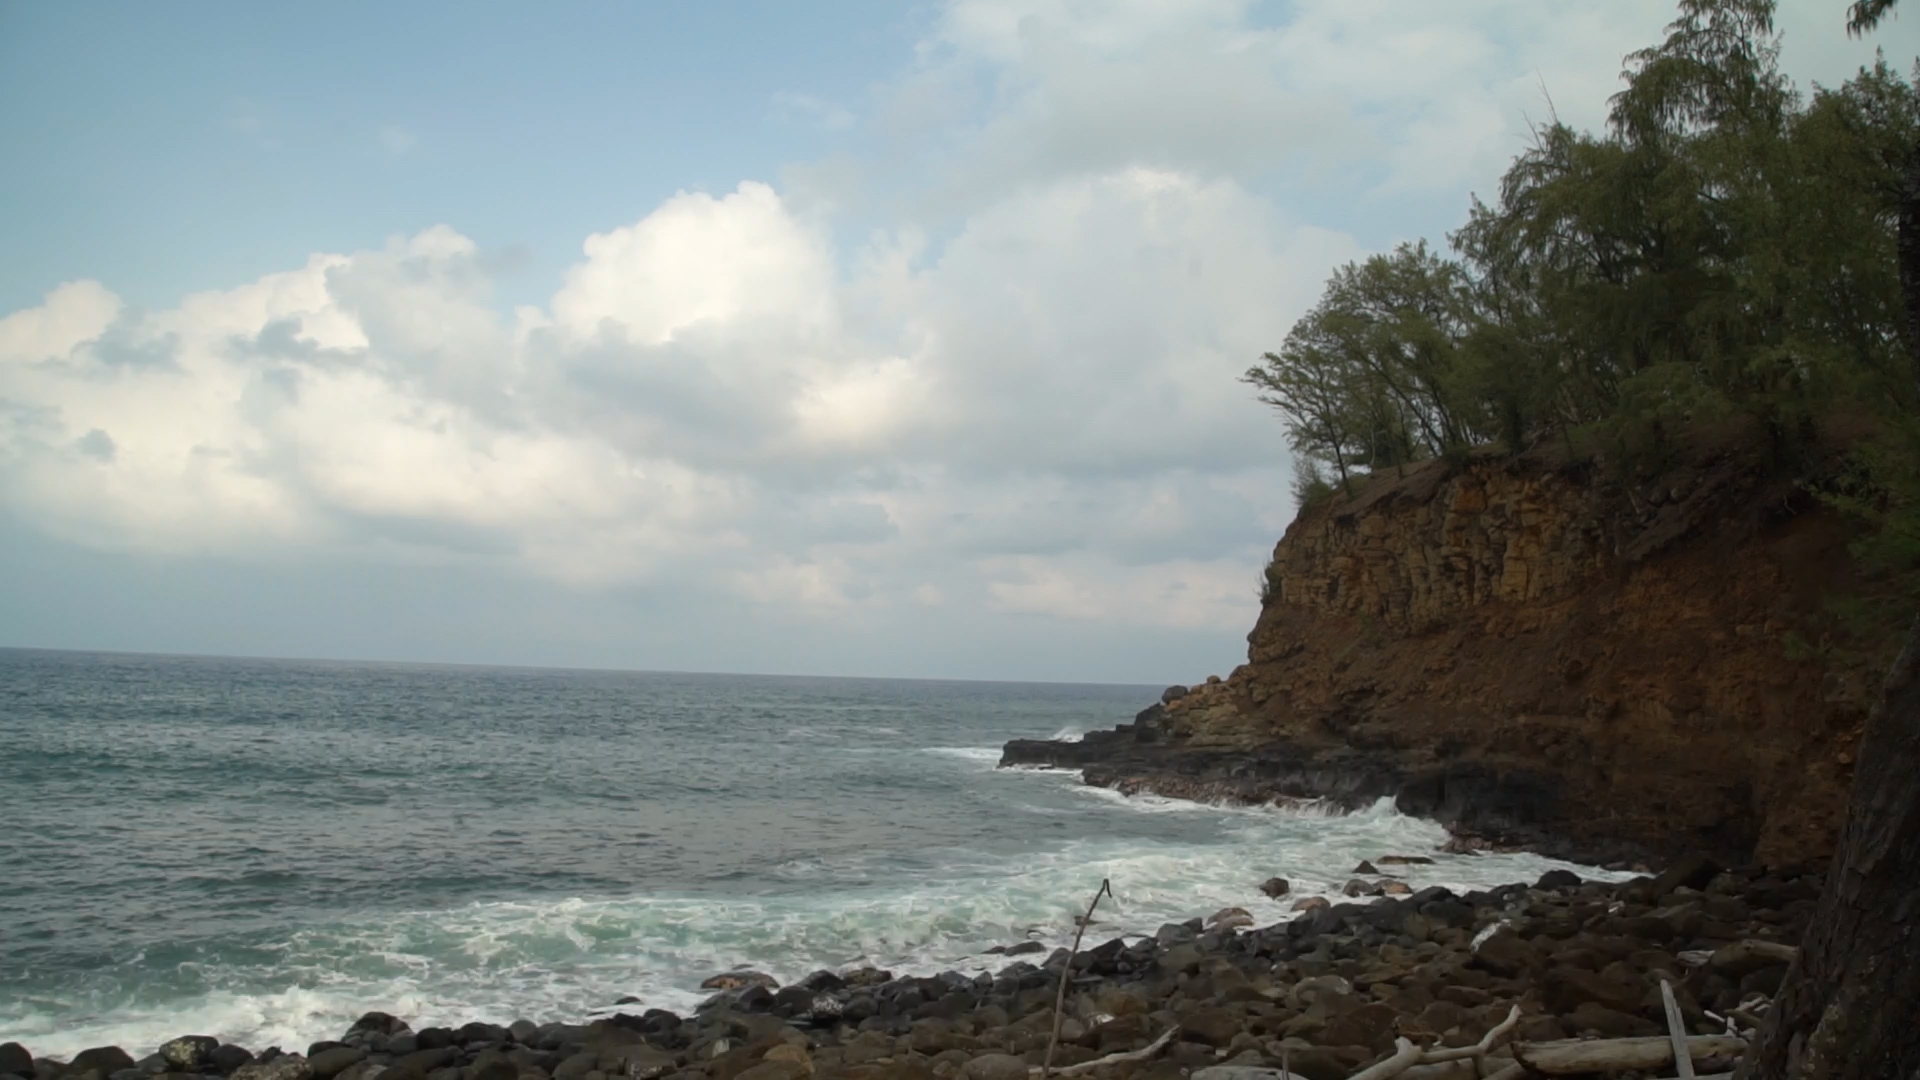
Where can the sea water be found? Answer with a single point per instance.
(262, 850)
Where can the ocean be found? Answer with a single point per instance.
(262, 850)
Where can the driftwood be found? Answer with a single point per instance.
(1464, 1069)
(1066, 972)
(1141, 1054)
(1677, 1033)
(1570, 1057)
(1412, 1063)
(1751, 953)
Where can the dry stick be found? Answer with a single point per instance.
(1405, 1056)
(1141, 1054)
(1066, 972)
(1412, 1061)
(1677, 1031)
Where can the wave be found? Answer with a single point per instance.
(570, 958)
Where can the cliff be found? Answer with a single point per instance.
(1543, 658)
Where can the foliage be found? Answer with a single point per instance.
(1725, 248)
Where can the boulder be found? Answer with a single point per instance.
(1213, 1026)
(105, 1060)
(329, 1063)
(1312, 903)
(378, 1023)
(1692, 872)
(1507, 955)
(187, 1053)
(1276, 887)
(1567, 988)
(1231, 918)
(15, 1060)
(1366, 867)
(1404, 860)
(1370, 1026)
(226, 1058)
(283, 1067)
(740, 980)
(1558, 879)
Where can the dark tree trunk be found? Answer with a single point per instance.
(1908, 254)
(1850, 1006)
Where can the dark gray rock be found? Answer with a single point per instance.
(105, 1060)
(379, 1023)
(279, 1067)
(1692, 872)
(330, 1062)
(1558, 879)
(227, 1057)
(15, 1060)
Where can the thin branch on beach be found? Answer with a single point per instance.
(1066, 972)
(1410, 1059)
(1677, 1032)
(1141, 1054)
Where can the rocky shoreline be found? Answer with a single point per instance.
(1326, 993)
(1484, 806)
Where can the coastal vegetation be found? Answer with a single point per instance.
(1726, 250)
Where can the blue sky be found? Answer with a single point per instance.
(862, 338)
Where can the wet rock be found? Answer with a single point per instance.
(15, 1060)
(105, 1060)
(740, 980)
(226, 1058)
(1558, 879)
(1276, 887)
(1365, 867)
(1229, 919)
(283, 1067)
(1404, 860)
(187, 1053)
(328, 1063)
(523, 1031)
(377, 1023)
(1312, 903)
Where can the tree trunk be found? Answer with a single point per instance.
(1847, 1008)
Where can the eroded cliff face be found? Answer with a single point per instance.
(1544, 659)
(1636, 660)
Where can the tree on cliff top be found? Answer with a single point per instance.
(1725, 248)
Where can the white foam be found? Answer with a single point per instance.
(571, 958)
(1068, 734)
(968, 753)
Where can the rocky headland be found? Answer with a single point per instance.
(1327, 993)
(1543, 658)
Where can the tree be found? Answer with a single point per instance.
(1846, 1007)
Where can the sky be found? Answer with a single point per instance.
(859, 338)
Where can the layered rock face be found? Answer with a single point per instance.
(1541, 658)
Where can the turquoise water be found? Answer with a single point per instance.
(263, 849)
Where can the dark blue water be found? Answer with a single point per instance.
(263, 849)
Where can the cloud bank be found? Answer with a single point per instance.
(1015, 396)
